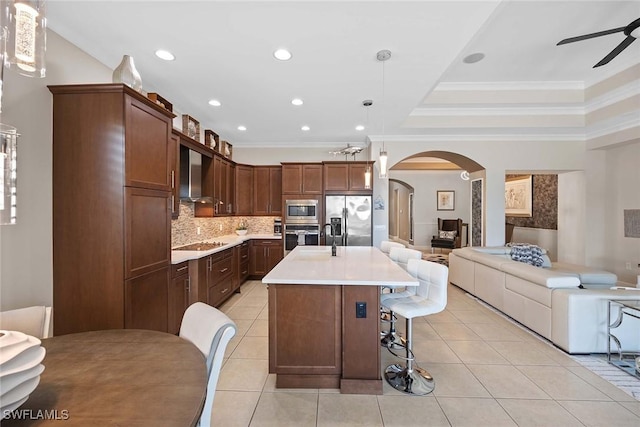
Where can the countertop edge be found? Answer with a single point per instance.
(230, 240)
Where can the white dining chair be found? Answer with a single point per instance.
(34, 321)
(210, 330)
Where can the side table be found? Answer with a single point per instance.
(627, 361)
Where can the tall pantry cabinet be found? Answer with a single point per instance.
(112, 169)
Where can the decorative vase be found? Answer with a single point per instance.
(126, 73)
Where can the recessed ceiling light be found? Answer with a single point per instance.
(215, 103)
(165, 54)
(282, 54)
(359, 127)
(242, 128)
(297, 101)
(473, 58)
(305, 128)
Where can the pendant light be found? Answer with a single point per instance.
(383, 56)
(27, 37)
(367, 172)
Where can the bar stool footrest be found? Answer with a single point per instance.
(409, 382)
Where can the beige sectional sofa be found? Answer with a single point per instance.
(565, 303)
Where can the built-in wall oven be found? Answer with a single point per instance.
(302, 212)
(300, 234)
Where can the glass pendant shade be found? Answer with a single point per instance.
(367, 178)
(26, 26)
(383, 164)
(126, 73)
(8, 173)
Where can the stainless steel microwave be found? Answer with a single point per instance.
(301, 212)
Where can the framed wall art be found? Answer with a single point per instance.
(518, 197)
(446, 200)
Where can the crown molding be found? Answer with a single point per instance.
(454, 111)
(478, 137)
(509, 86)
(616, 95)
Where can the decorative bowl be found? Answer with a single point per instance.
(241, 232)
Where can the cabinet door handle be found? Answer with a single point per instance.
(210, 264)
(182, 268)
(188, 284)
(224, 291)
(244, 272)
(223, 270)
(173, 203)
(173, 179)
(244, 256)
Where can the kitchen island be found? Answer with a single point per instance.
(324, 321)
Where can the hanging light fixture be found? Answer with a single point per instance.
(367, 172)
(27, 37)
(383, 56)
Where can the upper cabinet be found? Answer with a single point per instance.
(147, 160)
(267, 190)
(302, 178)
(345, 176)
(244, 190)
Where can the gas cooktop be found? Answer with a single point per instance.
(202, 246)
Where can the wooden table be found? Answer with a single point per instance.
(120, 377)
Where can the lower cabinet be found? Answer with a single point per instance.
(146, 301)
(264, 255)
(241, 259)
(220, 283)
(178, 295)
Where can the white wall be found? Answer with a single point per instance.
(622, 177)
(26, 261)
(425, 213)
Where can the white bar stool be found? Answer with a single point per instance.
(430, 298)
(400, 256)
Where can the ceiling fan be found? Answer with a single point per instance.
(632, 31)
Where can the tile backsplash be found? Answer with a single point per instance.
(184, 230)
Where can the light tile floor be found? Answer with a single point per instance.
(488, 371)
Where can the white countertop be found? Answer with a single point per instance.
(353, 265)
(229, 241)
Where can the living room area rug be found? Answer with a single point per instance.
(439, 258)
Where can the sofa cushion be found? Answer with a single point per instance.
(494, 261)
(587, 275)
(541, 276)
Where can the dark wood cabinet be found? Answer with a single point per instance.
(112, 166)
(267, 190)
(146, 301)
(147, 230)
(302, 178)
(345, 176)
(241, 255)
(212, 278)
(244, 190)
(178, 296)
(264, 254)
(174, 161)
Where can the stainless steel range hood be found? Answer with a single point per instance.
(191, 177)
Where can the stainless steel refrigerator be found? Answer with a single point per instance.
(351, 218)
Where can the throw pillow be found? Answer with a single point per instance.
(449, 235)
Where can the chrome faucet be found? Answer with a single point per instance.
(333, 237)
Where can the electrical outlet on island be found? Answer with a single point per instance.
(220, 227)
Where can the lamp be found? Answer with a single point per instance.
(27, 37)
(8, 173)
(383, 56)
(367, 172)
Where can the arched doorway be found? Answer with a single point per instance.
(414, 185)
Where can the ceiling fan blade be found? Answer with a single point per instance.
(622, 46)
(590, 36)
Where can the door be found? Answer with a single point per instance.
(357, 221)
